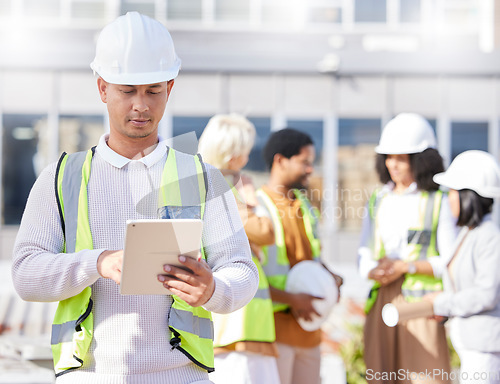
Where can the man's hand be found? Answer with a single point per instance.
(301, 305)
(193, 283)
(109, 265)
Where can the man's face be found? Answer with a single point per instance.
(134, 110)
(298, 168)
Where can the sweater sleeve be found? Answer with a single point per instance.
(40, 271)
(484, 293)
(227, 249)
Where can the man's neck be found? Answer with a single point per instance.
(278, 187)
(133, 148)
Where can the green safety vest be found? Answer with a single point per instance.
(253, 322)
(183, 184)
(422, 245)
(275, 260)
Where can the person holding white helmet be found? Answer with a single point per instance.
(471, 280)
(69, 245)
(290, 155)
(245, 351)
(406, 240)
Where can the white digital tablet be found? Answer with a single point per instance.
(149, 245)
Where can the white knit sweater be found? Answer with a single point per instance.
(131, 338)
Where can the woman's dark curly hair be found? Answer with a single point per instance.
(424, 166)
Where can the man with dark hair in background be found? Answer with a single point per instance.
(290, 156)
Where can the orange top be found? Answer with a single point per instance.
(298, 248)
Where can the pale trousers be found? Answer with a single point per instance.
(475, 366)
(299, 365)
(244, 368)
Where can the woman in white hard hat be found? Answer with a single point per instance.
(406, 236)
(244, 341)
(471, 279)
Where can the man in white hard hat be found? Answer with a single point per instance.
(69, 245)
(290, 156)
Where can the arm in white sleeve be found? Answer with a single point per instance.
(365, 254)
(484, 293)
(447, 232)
(40, 271)
(227, 248)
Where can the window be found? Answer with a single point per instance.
(468, 135)
(313, 128)
(20, 147)
(5, 7)
(359, 131)
(42, 9)
(370, 11)
(410, 11)
(92, 10)
(79, 133)
(356, 172)
(184, 10)
(186, 124)
(263, 131)
(144, 7)
(278, 11)
(232, 10)
(324, 14)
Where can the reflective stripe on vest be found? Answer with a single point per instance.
(275, 261)
(72, 331)
(253, 322)
(424, 246)
(421, 245)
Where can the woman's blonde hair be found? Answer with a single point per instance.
(225, 137)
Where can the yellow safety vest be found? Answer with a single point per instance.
(275, 260)
(422, 245)
(253, 322)
(183, 185)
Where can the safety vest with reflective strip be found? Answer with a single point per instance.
(183, 185)
(253, 322)
(422, 245)
(275, 260)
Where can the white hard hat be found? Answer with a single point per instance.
(135, 49)
(311, 277)
(475, 170)
(405, 134)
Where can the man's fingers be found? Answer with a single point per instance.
(196, 265)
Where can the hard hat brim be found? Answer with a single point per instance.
(380, 149)
(449, 181)
(139, 78)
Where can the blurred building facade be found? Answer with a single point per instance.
(338, 69)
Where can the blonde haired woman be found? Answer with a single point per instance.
(245, 351)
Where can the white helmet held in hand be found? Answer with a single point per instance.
(135, 49)
(475, 170)
(311, 277)
(407, 133)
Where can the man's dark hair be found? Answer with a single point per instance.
(473, 208)
(287, 142)
(424, 166)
